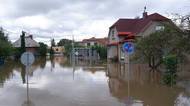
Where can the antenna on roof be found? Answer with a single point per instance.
(145, 14)
(144, 9)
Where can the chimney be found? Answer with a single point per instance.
(31, 36)
(145, 15)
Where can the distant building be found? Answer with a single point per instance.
(138, 27)
(30, 44)
(94, 42)
(58, 50)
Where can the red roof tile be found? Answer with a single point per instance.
(102, 41)
(136, 25)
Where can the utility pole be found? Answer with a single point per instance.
(73, 56)
(73, 49)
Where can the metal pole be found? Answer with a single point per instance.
(128, 75)
(73, 56)
(27, 71)
(27, 84)
(73, 64)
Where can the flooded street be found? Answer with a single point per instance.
(56, 82)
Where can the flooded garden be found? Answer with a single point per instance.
(58, 82)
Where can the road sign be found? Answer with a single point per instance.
(27, 58)
(128, 47)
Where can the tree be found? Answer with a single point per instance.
(52, 43)
(170, 75)
(42, 50)
(2, 35)
(51, 51)
(6, 47)
(22, 48)
(63, 42)
(154, 47)
(67, 45)
(183, 21)
(102, 51)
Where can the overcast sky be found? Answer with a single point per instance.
(47, 19)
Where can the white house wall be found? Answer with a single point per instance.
(114, 38)
(151, 28)
(112, 52)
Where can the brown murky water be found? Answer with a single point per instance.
(56, 82)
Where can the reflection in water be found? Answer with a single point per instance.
(91, 65)
(28, 102)
(43, 62)
(23, 74)
(52, 62)
(6, 71)
(182, 100)
(137, 86)
(84, 84)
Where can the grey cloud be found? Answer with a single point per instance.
(90, 8)
(78, 15)
(33, 7)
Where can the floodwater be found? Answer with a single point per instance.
(57, 82)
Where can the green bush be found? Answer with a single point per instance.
(170, 75)
(42, 50)
(102, 51)
(5, 46)
(5, 49)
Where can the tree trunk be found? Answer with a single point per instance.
(152, 63)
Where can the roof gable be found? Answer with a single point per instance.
(99, 40)
(137, 25)
(29, 42)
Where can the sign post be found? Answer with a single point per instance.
(27, 59)
(128, 48)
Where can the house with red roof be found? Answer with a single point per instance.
(30, 44)
(138, 27)
(94, 42)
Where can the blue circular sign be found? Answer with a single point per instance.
(128, 47)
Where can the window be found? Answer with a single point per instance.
(95, 44)
(112, 35)
(159, 28)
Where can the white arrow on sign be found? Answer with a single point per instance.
(27, 58)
